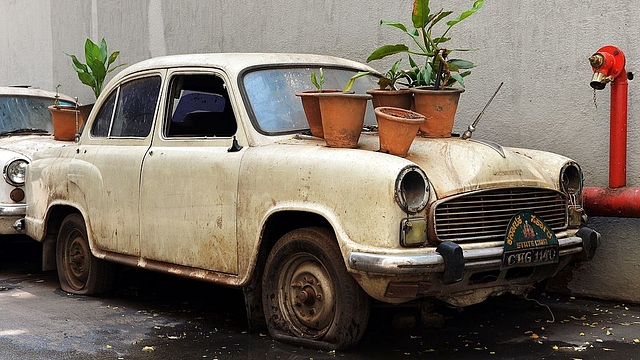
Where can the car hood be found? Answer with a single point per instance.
(455, 166)
(27, 145)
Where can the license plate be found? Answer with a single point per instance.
(529, 241)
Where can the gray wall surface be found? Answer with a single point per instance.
(539, 49)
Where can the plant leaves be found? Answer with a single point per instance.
(352, 80)
(460, 64)
(395, 24)
(77, 65)
(476, 6)
(441, 15)
(421, 12)
(387, 50)
(113, 57)
(103, 51)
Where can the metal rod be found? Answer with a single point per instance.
(467, 134)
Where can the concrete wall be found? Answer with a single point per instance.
(539, 50)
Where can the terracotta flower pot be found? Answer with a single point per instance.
(342, 118)
(397, 128)
(439, 107)
(311, 107)
(394, 98)
(85, 110)
(67, 121)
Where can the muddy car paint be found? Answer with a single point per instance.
(229, 208)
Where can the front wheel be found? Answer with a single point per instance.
(79, 271)
(308, 296)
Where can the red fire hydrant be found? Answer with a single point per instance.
(608, 65)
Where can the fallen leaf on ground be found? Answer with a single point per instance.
(148, 348)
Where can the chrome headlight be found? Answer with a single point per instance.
(412, 189)
(15, 171)
(571, 179)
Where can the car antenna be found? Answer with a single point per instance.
(467, 134)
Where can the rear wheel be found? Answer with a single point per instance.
(308, 296)
(79, 271)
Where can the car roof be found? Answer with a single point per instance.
(236, 62)
(31, 91)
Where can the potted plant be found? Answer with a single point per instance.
(434, 79)
(311, 104)
(67, 120)
(95, 68)
(388, 94)
(397, 128)
(342, 114)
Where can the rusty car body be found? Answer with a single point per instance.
(202, 166)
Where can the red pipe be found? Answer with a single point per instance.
(618, 132)
(616, 200)
(621, 202)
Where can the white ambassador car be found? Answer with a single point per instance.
(202, 166)
(25, 127)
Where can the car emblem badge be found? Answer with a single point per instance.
(529, 241)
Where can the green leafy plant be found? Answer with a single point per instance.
(393, 75)
(388, 80)
(97, 65)
(318, 81)
(352, 80)
(438, 67)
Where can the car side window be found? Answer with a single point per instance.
(102, 122)
(199, 107)
(135, 105)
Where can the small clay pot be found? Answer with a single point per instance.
(67, 121)
(439, 107)
(401, 98)
(342, 118)
(311, 106)
(397, 128)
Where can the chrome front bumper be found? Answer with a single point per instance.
(13, 210)
(585, 243)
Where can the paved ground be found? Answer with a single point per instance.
(152, 316)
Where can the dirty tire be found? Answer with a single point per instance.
(308, 296)
(79, 271)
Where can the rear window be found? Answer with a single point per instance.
(272, 100)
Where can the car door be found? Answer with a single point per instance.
(107, 165)
(190, 177)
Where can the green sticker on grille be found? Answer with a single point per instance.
(529, 241)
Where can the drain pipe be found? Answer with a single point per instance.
(616, 200)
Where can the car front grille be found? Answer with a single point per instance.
(484, 215)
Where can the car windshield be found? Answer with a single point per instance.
(25, 114)
(275, 108)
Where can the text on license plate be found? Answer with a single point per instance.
(531, 257)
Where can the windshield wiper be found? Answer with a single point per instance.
(25, 131)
